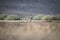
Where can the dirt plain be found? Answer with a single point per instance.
(29, 30)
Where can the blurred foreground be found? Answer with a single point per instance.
(29, 30)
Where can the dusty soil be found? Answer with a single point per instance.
(29, 31)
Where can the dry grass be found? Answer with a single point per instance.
(29, 31)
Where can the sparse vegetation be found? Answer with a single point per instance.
(38, 17)
(48, 18)
(3, 16)
(9, 17)
(12, 17)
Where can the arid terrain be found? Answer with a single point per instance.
(29, 30)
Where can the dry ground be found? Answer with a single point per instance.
(29, 31)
